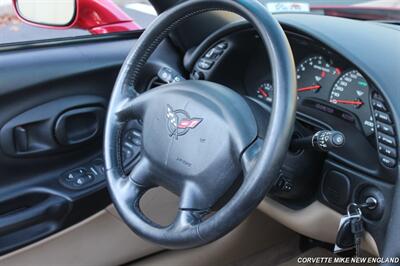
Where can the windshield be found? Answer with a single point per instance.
(386, 10)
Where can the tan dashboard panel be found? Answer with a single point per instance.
(316, 221)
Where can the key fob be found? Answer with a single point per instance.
(345, 238)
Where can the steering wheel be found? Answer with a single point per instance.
(198, 137)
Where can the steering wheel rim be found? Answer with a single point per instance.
(260, 162)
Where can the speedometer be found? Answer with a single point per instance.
(351, 91)
(315, 76)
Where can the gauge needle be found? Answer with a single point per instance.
(263, 92)
(347, 102)
(309, 88)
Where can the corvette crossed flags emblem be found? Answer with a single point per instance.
(180, 122)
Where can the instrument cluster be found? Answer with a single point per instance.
(339, 87)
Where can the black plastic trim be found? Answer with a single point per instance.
(70, 40)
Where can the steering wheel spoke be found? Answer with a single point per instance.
(132, 108)
(130, 192)
(141, 173)
(186, 219)
(250, 155)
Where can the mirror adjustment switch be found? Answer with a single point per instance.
(83, 177)
(80, 181)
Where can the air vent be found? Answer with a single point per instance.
(155, 82)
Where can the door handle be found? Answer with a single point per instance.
(53, 126)
(79, 125)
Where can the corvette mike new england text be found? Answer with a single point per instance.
(347, 260)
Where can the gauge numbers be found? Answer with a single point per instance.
(313, 75)
(265, 92)
(351, 91)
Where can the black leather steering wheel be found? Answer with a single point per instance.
(198, 136)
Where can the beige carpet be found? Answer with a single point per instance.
(272, 256)
(313, 253)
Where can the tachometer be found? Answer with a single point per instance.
(265, 92)
(351, 91)
(313, 75)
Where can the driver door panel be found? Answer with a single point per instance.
(53, 99)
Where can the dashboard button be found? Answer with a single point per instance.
(378, 105)
(94, 170)
(213, 53)
(376, 96)
(197, 75)
(222, 45)
(205, 64)
(388, 151)
(385, 139)
(98, 165)
(284, 185)
(383, 117)
(90, 177)
(385, 129)
(80, 181)
(338, 139)
(137, 141)
(386, 161)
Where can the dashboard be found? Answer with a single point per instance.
(320, 79)
(333, 93)
(345, 82)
